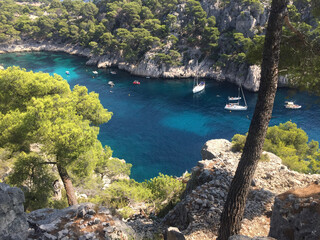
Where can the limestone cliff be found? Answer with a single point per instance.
(13, 219)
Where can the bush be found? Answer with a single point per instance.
(290, 143)
(238, 142)
(160, 193)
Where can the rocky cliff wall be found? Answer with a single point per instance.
(13, 220)
(206, 192)
(296, 214)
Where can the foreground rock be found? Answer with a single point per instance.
(296, 214)
(13, 220)
(241, 237)
(206, 192)
(86, 221)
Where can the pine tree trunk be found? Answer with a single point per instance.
(230, 222)
(71, 196)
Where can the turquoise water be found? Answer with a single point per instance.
(160, 125)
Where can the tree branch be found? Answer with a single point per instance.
(296, 31)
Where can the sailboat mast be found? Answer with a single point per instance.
(244, 98)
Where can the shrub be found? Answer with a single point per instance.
(290, 143)
(238, 142)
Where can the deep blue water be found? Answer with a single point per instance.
(160, 125)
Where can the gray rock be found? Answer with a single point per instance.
(214, 148)
(109, 229)
(241, 237)
(173, 233)
(91, 212)
(294, 216)
(48, 236)
(13, 220)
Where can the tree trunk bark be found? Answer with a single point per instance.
(230, 221)
(71, 196)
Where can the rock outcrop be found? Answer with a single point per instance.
(13, 220)
(207, 190)
(296, 214)
(241, 237)
(84, 221)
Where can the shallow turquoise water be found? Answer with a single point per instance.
(160, 125)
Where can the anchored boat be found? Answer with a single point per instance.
(198, 87)
(291, 105)
(235, 106)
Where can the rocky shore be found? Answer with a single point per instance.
(248, 76)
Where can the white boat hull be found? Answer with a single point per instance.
(234, 98)
(293, 107)
(198, 88)
(235, 107)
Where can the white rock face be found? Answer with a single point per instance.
(252, 81)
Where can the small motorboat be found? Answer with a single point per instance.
(147, 77)
(291, 105)
(136, 82)
(67, 72)
(113, 72)
(95, 72)
(111, 83)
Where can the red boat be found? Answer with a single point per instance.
(136, 82)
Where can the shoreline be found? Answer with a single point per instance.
(247, 76)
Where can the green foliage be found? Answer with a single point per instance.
(39, 108)
(291, 145)
(165, 189)
(265, 158)
(31, 172)
(255, 5)
(126, 212)
(111, 167)
(238, 142)
(172, 59)
(161, 192)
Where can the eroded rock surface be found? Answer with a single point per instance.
(296, 214)
(208, 188)
(13, 220)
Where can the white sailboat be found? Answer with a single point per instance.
(235, 106)
(198, 87)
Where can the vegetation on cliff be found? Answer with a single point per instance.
(129, 29)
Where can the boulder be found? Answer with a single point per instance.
(214, 148)
(296, 214)
(173, 233)
(13, 220)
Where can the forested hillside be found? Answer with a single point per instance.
(164, 38)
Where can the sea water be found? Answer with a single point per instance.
(160, 125)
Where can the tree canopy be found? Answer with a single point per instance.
(39, 108)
